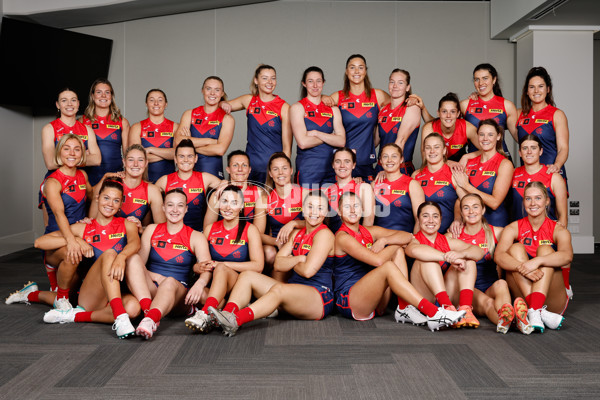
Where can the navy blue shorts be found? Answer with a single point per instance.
(342, 303)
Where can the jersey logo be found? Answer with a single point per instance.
(496, 111)
(180, 247)
(548, 242)
(527, 241)
(368, 104)
(169, 134)
(214, 122)
(82, 187)
(96, 238)
(541, 121)
(441, 183)
(240, 242)
(456, 146)
(488, 173)
(396, 119)
(306, 247)
(328, 115)
(195, 190)
(295, 209)
(400, 192)
(116, 235)
(269, 112)
(311, 114)
(139, 201)
(250, 204)
(256, 110)
(113, 126)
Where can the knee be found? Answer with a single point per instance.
(132, 307)
(220, 268)
(501, 286)
(169, 283)
(517, 250)
(277, 290)
(270, 253)
(488, 303)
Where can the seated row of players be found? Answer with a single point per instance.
(169, 248)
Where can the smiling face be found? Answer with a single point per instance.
(213, 92)
(448, 114)
(67, 103)
(238, 168)
(537, 90)
(530, 152)
(109, 201)
(535, 201)
(430, 219)
(266, 81)
(156, 103)
(343, 164)
(71, 153)
(390, 159)
(356, 70)
(314, 209)
(185, 159)
(483, 82)
(471, 210)
(175, 207)
(230, 205)
(314, 83)
(280, 171)
(102, 95)
(398, 85)
(350, 209)
(488, 137)
(135, 163)
(435, 150)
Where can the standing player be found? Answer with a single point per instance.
(209, 128)
(155, 133)
(269, 129)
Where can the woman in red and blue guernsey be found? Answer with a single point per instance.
(269, 129)
(317, 129)
(143, 200)
(530, 151)
(155, 134)
(158, 275)
(436, 178)
(308, 293)
(399, 123)
(194, 184)
(235, 246)
(455, 130)
(110, 127)
(344, 162)
(397, 196)
(538, 116)
(112, 241)
(209, 127)
(489, 174)
(359, 104)
(489, 104)
(443, 264)
(369, 261)
(536, 253)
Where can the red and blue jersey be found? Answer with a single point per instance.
(105, 237)
(533, 239)
(482, 176)
(195, 191)
(456, 145)
(161, 137)
(389, 125)
(348, 270)
(333, 193)
(171, 255)
(73, 194)
(359, 116)
(109, 139)
(393, 208)
(302, 245)
(520, 179)
(136, 201)
(478, 110)
(208, 126)
(316, 159)
(541, 124)
(223, 245)
(440, 243)
(264, 131)
(251, 196)
(438, 187)
(487, 273)
(280, 211)
(61, 129)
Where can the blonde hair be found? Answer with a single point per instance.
(61, 144)
(489, 233)
(137, 146)
(434, 135)
(536, 185)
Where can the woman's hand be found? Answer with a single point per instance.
(552, 168)
(461, 178)
(86, 248)
(194, 295)
(117, 269)
(137, 223)
(204, 266)
(225, 106)
(379, 245)
(74, 251)
(456, 228)
(284, 233)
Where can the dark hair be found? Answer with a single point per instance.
(269, 184)
(347, 150)
(394, 145)
(174, 190)
(90, 110)
(450, 97)
(216, 78)
(65, 89)
(346, 88)
(490, 68)
(344, 195)
(406, 73)
(257, 71)
(525, 100)
(112, 183)
(236, 153)
(185, 143)
(242, 221)
(157, 90)
(492, 122)
(428, 203)
(529, 136)
(303, 91)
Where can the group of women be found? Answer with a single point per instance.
(165, 232)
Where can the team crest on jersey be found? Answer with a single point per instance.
(473, 172)
(256, 110)
(296, 246)
(520, 184)
(527, 241)
(311, 114)
(95, 126)
(95, 238)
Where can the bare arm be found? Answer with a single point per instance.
(299, 128)
(48, 147)
(219, 148)
(410, 121)
(322, 246)
(156, 203)
(562, 141)
(501, 186)
(559, 187)
(93, 151)
(511, 118)
(125, 134)
(257, 260)
(286, 130)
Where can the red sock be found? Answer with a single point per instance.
(60, 293)
(154, 314)
(83, 316)
(34, 297)
(528, 300)
(51, 272)
(401, 303)
(210, 302)
(244, 315)
(466, 297)
(443, 299)
(117, 307)
(145, 304)
(427, 307)
(231, 307)
(566, 272)
(537, 300)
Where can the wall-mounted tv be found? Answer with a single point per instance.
(37, 61)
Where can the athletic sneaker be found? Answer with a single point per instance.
(535, 319)
(62, 304)
(146, 328)
(56, 316)
(226, 321)
(550, 319)
(20, 296)
(520, 308)
(123, 326)
(444, 317)
(469, 319)
(410, 314)
(506, 314)
(200, 321)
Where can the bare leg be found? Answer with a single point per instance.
(301, 301)
(169, 294)
(138, 279)
(427, 278)
(250, 283)
(223, 280)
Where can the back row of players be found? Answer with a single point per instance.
(392, 200)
